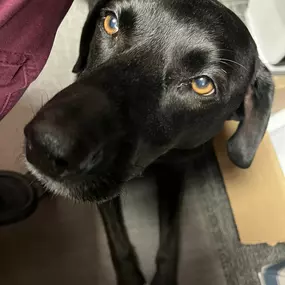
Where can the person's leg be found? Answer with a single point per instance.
(27, 32)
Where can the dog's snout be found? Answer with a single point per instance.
(50, 137)
(50, 142)
(73, 132)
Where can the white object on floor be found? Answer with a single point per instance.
(276, 129)
(266, 23)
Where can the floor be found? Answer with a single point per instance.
(276, 129)
(65, 243)
(61, 242)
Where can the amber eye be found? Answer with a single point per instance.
(203, 86)
(111, 26)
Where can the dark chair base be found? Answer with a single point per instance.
(19, 196)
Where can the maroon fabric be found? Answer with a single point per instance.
(27, 32)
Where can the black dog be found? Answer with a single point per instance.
(156, 81)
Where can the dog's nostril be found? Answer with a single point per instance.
(60, 163)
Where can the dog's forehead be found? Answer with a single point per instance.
(168, 11)
(206, 21)
(176, 34)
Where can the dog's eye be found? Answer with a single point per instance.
(203, 86)
(111, 26)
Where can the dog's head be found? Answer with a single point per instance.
(152, 76)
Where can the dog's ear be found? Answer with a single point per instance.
(86, 38)
(254, 116)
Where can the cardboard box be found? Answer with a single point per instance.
(257, 194)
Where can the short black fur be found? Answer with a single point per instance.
(132, 109)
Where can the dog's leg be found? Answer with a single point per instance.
(169, 183)
(122, 252)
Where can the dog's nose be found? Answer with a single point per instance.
(50, 145)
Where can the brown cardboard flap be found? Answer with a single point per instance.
(257, 194)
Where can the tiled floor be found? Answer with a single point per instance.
(63, 243)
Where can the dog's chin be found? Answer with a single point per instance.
(76, 190)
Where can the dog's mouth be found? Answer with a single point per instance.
(79, 188)
(86, 186)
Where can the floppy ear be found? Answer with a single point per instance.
(86, 37)
(254, 115)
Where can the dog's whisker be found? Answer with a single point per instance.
(220, 62)
(20, 157)
(224, 49)
(232, 61)
(35, 180)
(225, 63)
